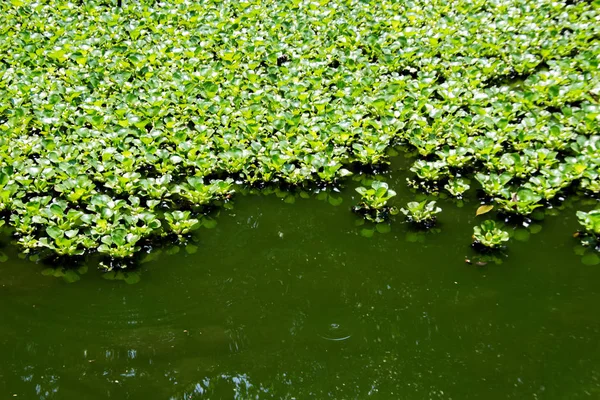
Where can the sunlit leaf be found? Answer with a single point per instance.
(484, 209)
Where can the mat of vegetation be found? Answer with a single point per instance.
(119, 125)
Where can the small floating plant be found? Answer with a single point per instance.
(422, 213)
(374, 199)
(488, 235)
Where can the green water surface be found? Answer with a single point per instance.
(289, 301)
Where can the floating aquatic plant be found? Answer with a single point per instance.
(374, 201)
(422, 213)
(590, 221)
(114, 119)
(457, 187)
(489, 235)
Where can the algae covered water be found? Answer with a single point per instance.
(290, 301)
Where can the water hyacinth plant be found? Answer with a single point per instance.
(114, 118)
(373, 205)
(181, 223)
(590, 221)
(457, 187)
(489, 235)
(421, 213)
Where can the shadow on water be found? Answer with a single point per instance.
(291, 301)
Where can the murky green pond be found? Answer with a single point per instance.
(289, 301)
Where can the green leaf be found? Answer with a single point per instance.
(54, 232)
(118, 237)
(484, 209)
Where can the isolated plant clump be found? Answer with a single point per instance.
(422, 213)
(590, 221)
(373, 205)
(113, 119)
(489, 235)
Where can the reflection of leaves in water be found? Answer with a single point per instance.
(368, 229)
(579, 249)
(172, 250)
(419, 236)
(590, 258)
(191, 248)
(414, 237)
(535, 228)
(335, 201)
(538, 214)
(485, 259)
(521, 234)
(132, 278)
(129, 277)
(225, 386)
(367, 232)
(383, 228)
(208, 222)
(69, 275)
(237, 339)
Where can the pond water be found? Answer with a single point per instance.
(289, 301)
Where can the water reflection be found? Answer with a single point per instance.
(224, 386)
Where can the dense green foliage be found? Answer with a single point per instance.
(111, 116)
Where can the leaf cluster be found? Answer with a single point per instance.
(123, 124)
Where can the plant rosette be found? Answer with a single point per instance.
(489, 236)
(373, 205)
(423, 214)
(590, 235)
